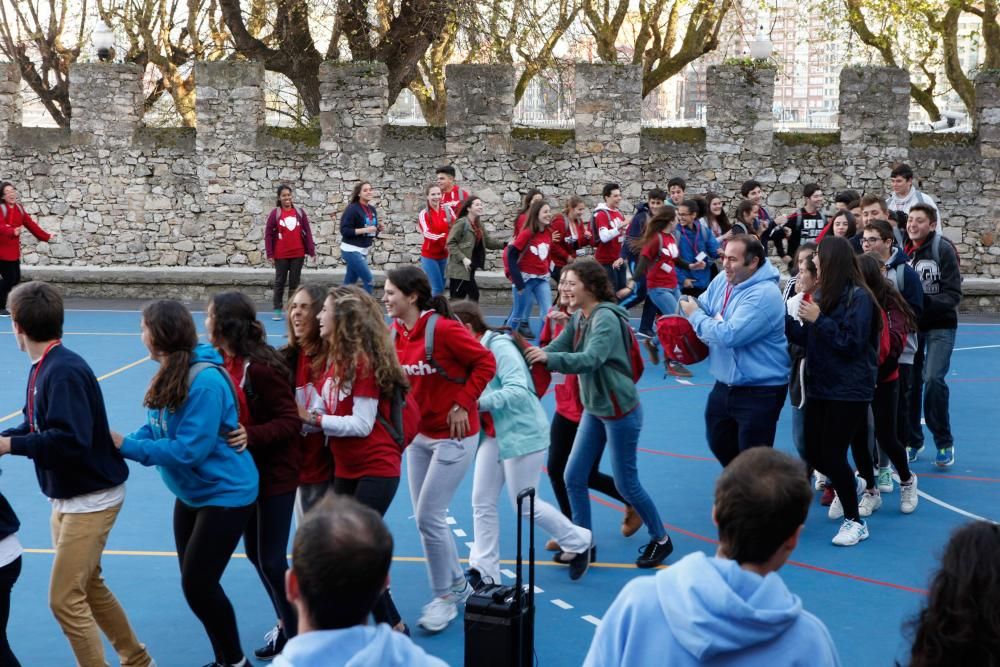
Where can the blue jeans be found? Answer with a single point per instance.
(357, 269)
(435, 269)
(799, 431)
(665, 299)
(622, 440)
(536, 290)
(930, 367)
(738, 418)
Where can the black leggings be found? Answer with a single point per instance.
(8, 575)
(861, 451)
(464, 289)
(830, 427)
(10, 276)
(266, 541)
(289, 270)
(561, 437)
(884, 407)
(206, 538)
(376, 493)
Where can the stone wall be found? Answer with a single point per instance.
(119, 194)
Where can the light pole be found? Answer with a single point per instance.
(761, 46)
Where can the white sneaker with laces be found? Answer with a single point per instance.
(908, 497)
(850, 533)
(460, 591)
(885, 480)
(819, 480)
(870, 502)
(437, 614)
(836, 509)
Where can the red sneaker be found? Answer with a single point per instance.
(827, 497)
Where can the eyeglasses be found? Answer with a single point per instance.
(870, 239)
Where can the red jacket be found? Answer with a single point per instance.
(611, 222)
(568, 403)
(453, 199)
(460, 355)
(434, 226)
(11, 218)
(575, 240)
(271, 233)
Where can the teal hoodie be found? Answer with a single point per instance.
(747, 346)
(357, 646)
(189, 445)
(518, 416)
(596, 349)
(709, 611)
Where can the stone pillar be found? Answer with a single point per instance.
(875, 113)
(10, 99)
(229, 104)
(107, 101)
(987, 118)
(739, 120)
(480, 107)
(608, 109)
(354, 101)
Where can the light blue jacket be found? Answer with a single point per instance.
(357, 646)
(709, 611)
(747, 346)
(518, 416)
(189, 448)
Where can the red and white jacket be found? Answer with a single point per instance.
(568, 403)
(453, 199)
(434, 226)
(610, 227)
(11, 219)
(576, 239)
(662, 254)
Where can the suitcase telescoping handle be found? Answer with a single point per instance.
(526, 493)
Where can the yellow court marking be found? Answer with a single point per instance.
(398, 559)
(101, 378)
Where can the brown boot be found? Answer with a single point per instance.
(552, 545)
(654, 352)
(632, 522)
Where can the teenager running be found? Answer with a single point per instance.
(287, 240)
(512, 456)
(655, 199)
(610, 225)
(305, 356)
(566, 422)
(452, 196)
(468, 242)
(596, 346)
(10, 570)
(191, 414)
(577, 239)
(13, 220)
(446, 388)
(435, 223)
(362, 377)
(65, 433)
(269, 429)
(530, 197)
(698, 248)
(840, 333)
(530, 263)
(359, 226)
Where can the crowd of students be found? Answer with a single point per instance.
(248, 437)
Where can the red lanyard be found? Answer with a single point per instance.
(31, 384)
(725, 301)
(693, 244)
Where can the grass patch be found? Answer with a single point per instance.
(412, 133)
(307, 135)
(747, 62)
(675, 135)
(820, 139)
(553, 137)
(942, 139)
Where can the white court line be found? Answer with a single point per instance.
(947, 506)
(977, 347)
(470, 544)
(459, 532)
(450, 520)
(538, 590)
(591, 619)
(561, 604)
(508, 574)
(687, 382)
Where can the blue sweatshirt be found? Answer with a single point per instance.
(71, 444)
(357, 646)
(911, 289)
(518, 417)
(709, 611)
(691, 242)
(747, 346)
(356, 217)
(189, 445)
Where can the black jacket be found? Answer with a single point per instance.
(356, 217)
(941, 280)
(8, 520)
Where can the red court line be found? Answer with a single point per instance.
(676, 386)
(806, 566)
(676, 456)
(991, 480)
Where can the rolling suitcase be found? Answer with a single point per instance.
(500, 620)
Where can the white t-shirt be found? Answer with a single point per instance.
(10, 549)
(98, 501)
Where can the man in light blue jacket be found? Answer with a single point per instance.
(340, 564)
(732, 609)
(741, 319)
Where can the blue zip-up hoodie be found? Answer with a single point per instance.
(747, 347)
(912, 290)
(841, 348)
(189, 445)
(357, 646)
(709, 611)
(690, 242)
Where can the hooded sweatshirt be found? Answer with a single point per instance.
(357, 646)
(189, 446)
(709, 611)
(518, 417)
(747, 344)
(610, 231)
(941, 278)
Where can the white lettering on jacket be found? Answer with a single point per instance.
(419, 368)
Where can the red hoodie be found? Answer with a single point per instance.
(575, 239)
(10, 241)
(568, 403)
(609, 251)
(434, 225)
(460, 355)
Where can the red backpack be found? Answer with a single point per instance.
(541, 377)
(638, 366)
(679, 340)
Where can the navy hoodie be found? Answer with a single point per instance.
(8, 520)
(942, 282)
(354, 218)
(911, 289)
(635, 229)
(70, 444)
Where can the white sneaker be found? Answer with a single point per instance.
(460, 591)
(885, 480)
(908, 497)
(437, 614)
(836, 509)
(819, 480)
(870, 502)
(850, 533)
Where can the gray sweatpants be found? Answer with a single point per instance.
(435, 468)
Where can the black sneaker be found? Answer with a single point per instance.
(558, 557)
(4, 312)
(474, 578)
(654, 553)
(525, 330)
(274, 642)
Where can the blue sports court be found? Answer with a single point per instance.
(863, 594)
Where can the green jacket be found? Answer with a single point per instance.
(596, 349)
(461, 241)
(520, 421)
